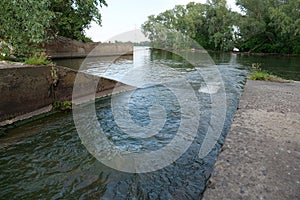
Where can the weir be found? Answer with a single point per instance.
(31, 90)
(54, 155)
(28, 90)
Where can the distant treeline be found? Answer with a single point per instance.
(142, 43)
(264, 26)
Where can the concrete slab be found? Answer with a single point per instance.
(261, 155)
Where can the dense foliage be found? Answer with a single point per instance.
(25, 25)
(73, 16)
(208, 24)
(269, 26)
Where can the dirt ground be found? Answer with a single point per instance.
(261, 155)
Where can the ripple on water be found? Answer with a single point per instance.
(53, 163)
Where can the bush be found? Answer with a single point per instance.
(262, 76)
(62, 105)
(38, 59)
(259, 75)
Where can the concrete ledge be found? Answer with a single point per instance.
(261, 155)
(29, 90)
(26, 116)
(62, 47)
(23, 89)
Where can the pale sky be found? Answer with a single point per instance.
(128, 15)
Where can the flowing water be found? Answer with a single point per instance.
(53, 163)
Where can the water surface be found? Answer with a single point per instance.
(54, 164)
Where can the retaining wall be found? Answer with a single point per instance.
(26, 88)
(63, 47)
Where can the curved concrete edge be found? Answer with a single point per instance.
(261, 155)
(26, 116)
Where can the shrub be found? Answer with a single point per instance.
(38, 59)
(62, 105)
(262, 76)
(259, 75)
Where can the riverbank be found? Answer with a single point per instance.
(261, 155)
(266, 54)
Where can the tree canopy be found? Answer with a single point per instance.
(211, 24)
(72, 17)
(270, 26)
(25, 25)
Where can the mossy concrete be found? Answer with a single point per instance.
(261, 155)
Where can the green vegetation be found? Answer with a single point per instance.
(263, 76)
(211, 25)
(269, 26)
(38, 59)
(62, 105)
(23, 26)
(73, 16)
(26, 25)
(259, 75)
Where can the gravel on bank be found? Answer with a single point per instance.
(261, 154)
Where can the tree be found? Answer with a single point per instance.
(72, 17)
(26, 25)
(23, 25)
(220, 22)
(270, 26)
(211, 25)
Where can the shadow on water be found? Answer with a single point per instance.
(53, 163)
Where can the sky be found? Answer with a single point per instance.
(122, 19)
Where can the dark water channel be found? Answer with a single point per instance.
(53, 163)
(282, 66)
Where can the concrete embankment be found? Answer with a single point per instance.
(261, 155)
(62, 47)
(30, 90)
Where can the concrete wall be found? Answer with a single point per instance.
(23, 89)
(26, 88)
(66, 48)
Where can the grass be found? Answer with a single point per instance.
(38, 59)
(260, 75)
(62, 105)
(265, 76)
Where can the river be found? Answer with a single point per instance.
(53, 163)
